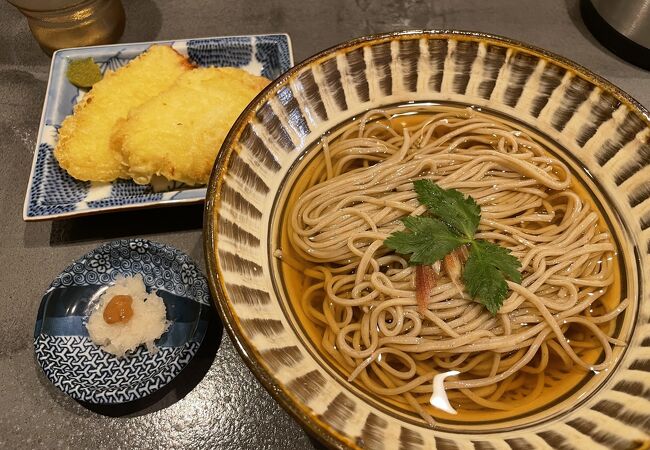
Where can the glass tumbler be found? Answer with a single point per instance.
(72, 23)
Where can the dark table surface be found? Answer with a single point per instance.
(216, 401)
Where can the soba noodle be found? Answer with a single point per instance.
(361, 295)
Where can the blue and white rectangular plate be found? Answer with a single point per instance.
(52, 193)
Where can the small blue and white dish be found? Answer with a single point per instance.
(79, 367)
(52, 193)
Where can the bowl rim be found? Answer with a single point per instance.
(325, 435)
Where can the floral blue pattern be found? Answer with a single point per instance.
(162, 267)
(53, 193)
(79, 367)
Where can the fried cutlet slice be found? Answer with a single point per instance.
(84, 148)
(177, 134)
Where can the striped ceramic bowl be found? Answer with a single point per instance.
(599, 130)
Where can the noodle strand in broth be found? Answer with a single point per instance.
(362, 296)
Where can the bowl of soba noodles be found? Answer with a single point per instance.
(441, 239)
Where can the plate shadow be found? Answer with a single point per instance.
(120, 224)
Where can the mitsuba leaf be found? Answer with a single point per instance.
(427, 240)
(485, 273)
(449, 205)
(453, 221)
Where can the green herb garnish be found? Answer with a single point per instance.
(452, 221)
(429, 240)
(83, 73)
(460, 213)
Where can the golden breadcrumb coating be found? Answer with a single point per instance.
(178, 133)
(85, 148)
